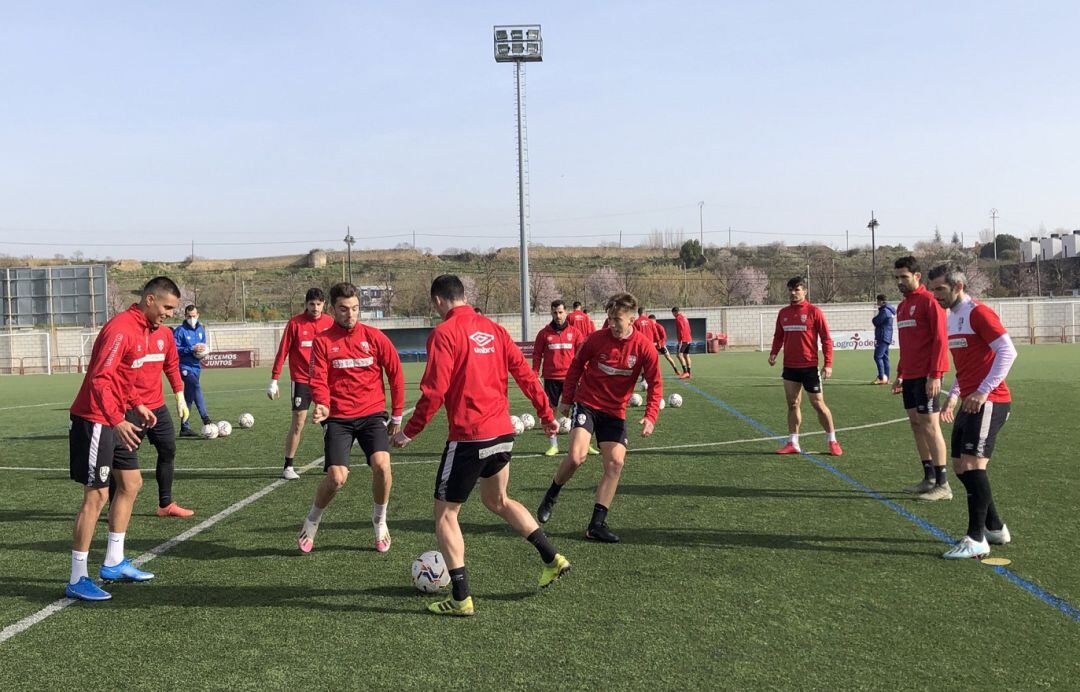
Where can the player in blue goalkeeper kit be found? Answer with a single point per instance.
(189, 334)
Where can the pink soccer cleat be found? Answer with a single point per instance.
(834, 448)
(306, 539)
(789, 449)
(382, 541)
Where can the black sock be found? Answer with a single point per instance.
(459, 582)
(599, 515)
(543, 545)
(164, 474)
(986, 498)
(978, 498)
(553, 491)
(928, 470)
(288, 462)
(993, 521)
(941, 475)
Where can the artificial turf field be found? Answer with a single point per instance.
(738, 568)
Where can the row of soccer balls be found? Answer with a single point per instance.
(526, 421)
(223, 428)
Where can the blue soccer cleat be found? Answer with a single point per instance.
(125, 571)
(86, 590)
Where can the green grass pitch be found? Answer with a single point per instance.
(738, 568)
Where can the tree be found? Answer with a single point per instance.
(978, 282)
(1005, 243)
(602, 284)
(690, 254)
(748, 286)
(937, 235)
(955, 238)
(542, 291)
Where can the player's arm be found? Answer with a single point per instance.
(939, 344)
(320, 380)
(526, 380)
(948, 410)
(284, 348)
(181, 343)
(395, 376)
(777, 341)
(538, 350)
(573, 375)
(172, 374)
(989, 328)
(826, 343)
(650, 367)
(433, 386)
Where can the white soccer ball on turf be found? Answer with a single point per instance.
(246, 420)
(528, 420)
(564, 425)
(210, 431)
(200, 351)
(662, 404)
(675, 400)
(429, 572)
(519, 427)
(224, 428)
(635, 399)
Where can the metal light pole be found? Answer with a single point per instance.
(993, 222)
(873, 250)
(349, 240)
(520, 44)
(701, 225)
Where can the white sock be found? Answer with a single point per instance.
(554, 440)
(830, 437)
(78, 566)
(378, 514)
(795, 440)
(114, 553)
(314, 515)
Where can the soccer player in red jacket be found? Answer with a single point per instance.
(682, 335)
(922, 326)
(469, 359)
(799, 327)
(102, 440)
(580, 320)
(348, 361)
(553, 352)
(295, 345)
(983, 354)
(598, 384)
(661, 342)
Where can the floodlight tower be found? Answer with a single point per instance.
(519, 44)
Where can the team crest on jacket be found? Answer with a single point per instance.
(161, 344)
(630, 360)
(365, 346)
(482, 340)
(912, 310)
(802, 317)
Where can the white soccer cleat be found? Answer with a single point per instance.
(289, 473)
(306, 539)
(998, 537)
(967, 548)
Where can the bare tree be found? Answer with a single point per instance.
(602, 284)
(748, 286)
(542, 291)
(978, 281)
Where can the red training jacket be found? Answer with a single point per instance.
(798, 329)
(647, 327)
(682, 328)
(296, 343)
(661, 334)
(469, 358)
(160, 356)
(347, 368)
(556, 350)
(924, 336)
(606, 369)
(581, 322)
(108, 390)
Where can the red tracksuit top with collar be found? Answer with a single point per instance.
(556, 349)
(347, 368)
(682, 328)
(924, 336)
(161, 356)
(469, 360)
(661, 334)
(798, 328)
(109, 388)
(606, 369)
(647, 327)
(296, 341)
(581, 322)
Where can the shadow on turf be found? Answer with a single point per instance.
(683, 490)
(719, 538)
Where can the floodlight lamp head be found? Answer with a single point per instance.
(518, 43)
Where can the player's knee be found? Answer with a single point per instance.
(496, 502)
(338, 475)
(613, 466)
(131, 485)
(167, 451)
(94, 500)
(380, 463)
(793, 404)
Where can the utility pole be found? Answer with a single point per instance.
(1038, 275)
(701, 225)
(620, 239)
(729, 236)
(414, 239)
(349, 240)
(847, 240)
(993, 223)
(873, 251)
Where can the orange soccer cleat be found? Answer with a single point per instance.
(174, 510)
(789, 449)
(834, 448)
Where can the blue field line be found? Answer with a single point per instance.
(1046, 597)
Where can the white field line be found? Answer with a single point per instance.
(58, 605)
(68, 403)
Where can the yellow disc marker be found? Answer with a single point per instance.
(996, 561)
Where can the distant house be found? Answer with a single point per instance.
(374, 301)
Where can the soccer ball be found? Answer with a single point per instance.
(635, 399)
(675, 400)
(209, 431)
(519, 427)
(528, 420)
(429, 573)
(644, 386)
(224, 428)
(662, 405)
(246, 420)
(564, 425)
(200, 351)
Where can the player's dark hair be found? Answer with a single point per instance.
(161, 285)
(652, 316)
(953, 274)
(640, 310)
(448, 287)
(908, 262)
(585, 310)
(881, 296)
(621, 302)
(577, 304)
(795, 282)
(675, 310)
(477, 310)
(315, 294)
(190, 308)
(343, 289)
(557, 303)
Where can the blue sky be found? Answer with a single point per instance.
(131, 129)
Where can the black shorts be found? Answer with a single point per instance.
(974, 434)
(90, 452)
(162, 436)
(809, 378)
(301, 396)
(662, 350)
(606, 427)
(465, 462)
(553, 389)
(684, 347)
(915, 397)
(339, 433)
